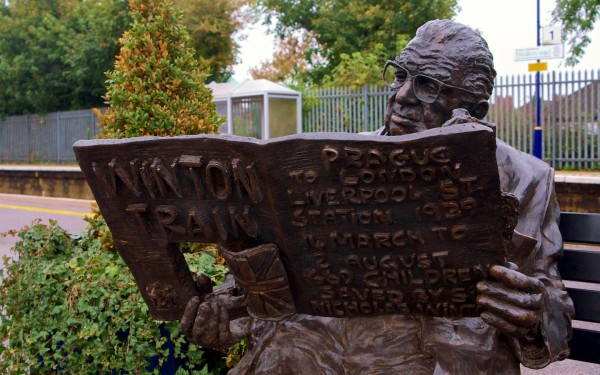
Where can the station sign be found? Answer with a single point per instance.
(538, 67)
(551, 35)
(540, 53)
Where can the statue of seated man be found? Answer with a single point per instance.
(526, 312)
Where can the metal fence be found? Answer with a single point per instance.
(570, 108)
(48, 139)
(343, 109)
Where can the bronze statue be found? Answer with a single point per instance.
(443, 77)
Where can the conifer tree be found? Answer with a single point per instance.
(157, 86)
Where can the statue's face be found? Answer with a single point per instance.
(406, 113)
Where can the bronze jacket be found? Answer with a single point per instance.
(535, 248)
(305, 344)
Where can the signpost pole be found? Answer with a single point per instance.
(537, 131)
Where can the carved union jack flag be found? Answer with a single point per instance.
(260, 273)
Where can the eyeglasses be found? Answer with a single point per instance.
(426, 89)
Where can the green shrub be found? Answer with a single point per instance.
(69, 304)
(157, 86)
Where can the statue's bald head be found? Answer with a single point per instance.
(446, 66)
(457, 47)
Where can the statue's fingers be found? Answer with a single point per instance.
(516, 280)
(508, 312)
(189, 316)
(211, 333)
(511, 266)
(515, 297)
(234, 302)
(224, 331)
(202, 323)
(504, 326)
(204, 283)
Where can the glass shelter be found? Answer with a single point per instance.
(259, 108)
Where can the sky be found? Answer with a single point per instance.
(505, 24)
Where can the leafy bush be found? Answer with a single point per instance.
(69, 304)
(157, 86)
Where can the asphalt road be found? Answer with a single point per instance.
(17, 211)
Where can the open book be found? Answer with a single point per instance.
(355, 225)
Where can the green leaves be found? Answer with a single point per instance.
(79, 309)
(578, 18)
(358, 69)
(53, 54)
(353, 26)
(212, 25)
(157, 87)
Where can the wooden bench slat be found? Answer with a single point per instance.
(580, 265)
(587, 304)
(585, 345)
(580, 227)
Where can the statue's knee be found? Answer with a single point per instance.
(287, 360)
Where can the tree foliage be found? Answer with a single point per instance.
(288, 63)
(358, 69)
(157, 87)
(53, 53)
(578, 18)
(213, 25)
(349, 26)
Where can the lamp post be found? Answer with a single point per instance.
(537, 131)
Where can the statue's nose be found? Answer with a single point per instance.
(406, 94)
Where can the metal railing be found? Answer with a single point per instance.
(45, 139)
(570, 109)
(343, 109)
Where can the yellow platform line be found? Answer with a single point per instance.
(45, 210)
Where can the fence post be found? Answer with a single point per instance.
(365, 107)
(93, 124)
(29, 138)
(555, 129)
(58, 148)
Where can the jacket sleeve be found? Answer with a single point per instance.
(554, 331)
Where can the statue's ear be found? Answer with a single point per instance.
(480, 109)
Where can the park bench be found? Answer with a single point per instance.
(581, 263)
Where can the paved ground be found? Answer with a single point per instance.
(17, 211)
(566, 367)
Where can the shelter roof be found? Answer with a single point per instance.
(257, 87)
